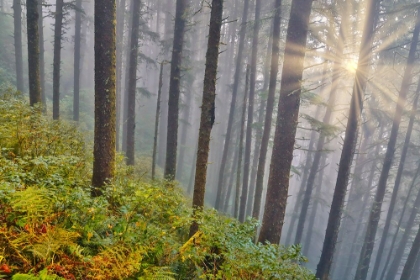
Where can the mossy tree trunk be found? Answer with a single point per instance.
(287, 119)
(105, 99)
(131, 91)
(33, 51)
(58, 26)
(76, 70)
(174, 89)
(207, 107)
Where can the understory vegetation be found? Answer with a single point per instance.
(51, 227)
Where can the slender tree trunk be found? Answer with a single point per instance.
(131, 91)
(274, 69)
(174, 89)
(120, 47)
(207, 107)
(259, 128)
(232, 174)
(58, 26)
(192, 172)
(41, 56)
(350, 141)
(157, 120)
(33, 52)
(375, 212)
(105, 96)
(415, 275)
(391, 249)
(409, 264)
(184, 135)
(17, 16)
(253, 76)
(241, 147)
(236, 79)
(398, 177)
(77, 39)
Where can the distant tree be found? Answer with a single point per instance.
(155, 139)
(274, 69)
(174, 89)
(58, 29)
(207, 107)
(33, 51)
(17, 16)
(41, 55)
(132, 88)
(120, 47)
(414, 252)
(76, 70)
(105, 99)
(375, 213)
(236, 79)
(287, 119)
(246, 197)
(350, 141)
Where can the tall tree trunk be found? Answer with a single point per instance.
(131, 91)
(184, 135)
(398, 177)
(415, 275)
(350, 141)
(375, 213)
(236, 79)
(157, 120)
(207, 107)
(41, 56)
(58, 26)
(174, 89)
(17, 17)
(120, 47)
(259, 128)
(391, 249)
(77, 39)
(229, 185)
(287, 119)
(105, 96)
(409, 264)
(33, 52)
(241, 146)
(274, 69)
(246, 197)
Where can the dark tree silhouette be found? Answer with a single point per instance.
(33, 51)
(174, 89)
(58, 26)
(17, 16)
(157, 120)
(77, 39)
(41, 55)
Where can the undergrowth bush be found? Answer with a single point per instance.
(51, 228)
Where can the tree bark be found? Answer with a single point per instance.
(350, 141)
(236, 79)
(287, 119)
(409, 264)
(105, 96)
(207, 108)
(274, 69)
(157, 120)
(77, 39)
(246, 197)
(241, 148)
(17, 17)
(33, 52)
(58, 26)
(174, 89)
(41, 56)
(132, 84)
(120, 47)
(375, 213)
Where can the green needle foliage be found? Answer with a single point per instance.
(51, 228)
